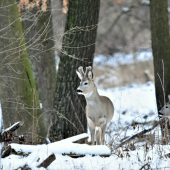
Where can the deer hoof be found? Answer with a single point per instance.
(88, 143)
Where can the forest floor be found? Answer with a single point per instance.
(135, 110)
(135, 103)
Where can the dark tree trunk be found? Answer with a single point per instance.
(78, 42)
(18, 95)
(38, 29)
(161, 49)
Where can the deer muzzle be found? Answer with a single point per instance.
(79, 91)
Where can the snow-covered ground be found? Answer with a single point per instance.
(132, 103)
(121, 58)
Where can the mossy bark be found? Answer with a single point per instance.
(78, 42)
(19, 99)
(161, 50)
(40, 47)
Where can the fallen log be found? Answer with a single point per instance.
(13, 128)
(47, 161)
(7, 135)
(82, 155)
(6, 152)
(81, 140)
(65, 147)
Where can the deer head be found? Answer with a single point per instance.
(87, 84)
(165, 111)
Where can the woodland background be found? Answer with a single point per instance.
(43, 42)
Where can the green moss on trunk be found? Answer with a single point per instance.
(42, 57)
(19, 97)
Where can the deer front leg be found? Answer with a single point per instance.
(103, 134)
(91, 126)
(98, 135)
(92, 132)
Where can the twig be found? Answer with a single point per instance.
(145, 166)
(139, 134)
(47, 161)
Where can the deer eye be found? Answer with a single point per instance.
(85, 83)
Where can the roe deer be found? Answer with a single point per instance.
(99, 109)
(165, 111)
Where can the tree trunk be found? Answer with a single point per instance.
(161, 50)
(39, 40)
(19, 99)
(78, 49)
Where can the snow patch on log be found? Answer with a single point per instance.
(65, 147)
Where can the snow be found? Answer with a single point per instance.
(154, 155)
(65, 147)
(136, 101)
(145, 2)
(121, 58)
(131, 103)
(125, 9)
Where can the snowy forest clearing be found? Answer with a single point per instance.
(154, 157)
(139, 106)
(128, 34)
(66, 146)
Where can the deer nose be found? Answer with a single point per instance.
(78, 91)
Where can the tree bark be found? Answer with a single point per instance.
(77, 49)
(38, 29)
(161, 50)
(19, 99)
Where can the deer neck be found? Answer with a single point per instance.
(93, 96)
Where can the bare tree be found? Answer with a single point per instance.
(77, 49)
(37, 25)
(161, 51)
(19, 99)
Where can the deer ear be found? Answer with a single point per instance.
(79, 75)
(89, 73)
(80, 72)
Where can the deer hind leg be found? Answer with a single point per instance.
(103, 134)
(98, 135)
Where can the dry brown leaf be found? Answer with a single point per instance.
(119, 152)
(65, 2)
(127, 155)
(44, 7)
(32, 5)
(65, 9)
(105, 6)
(26, 2)
(117, 2)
